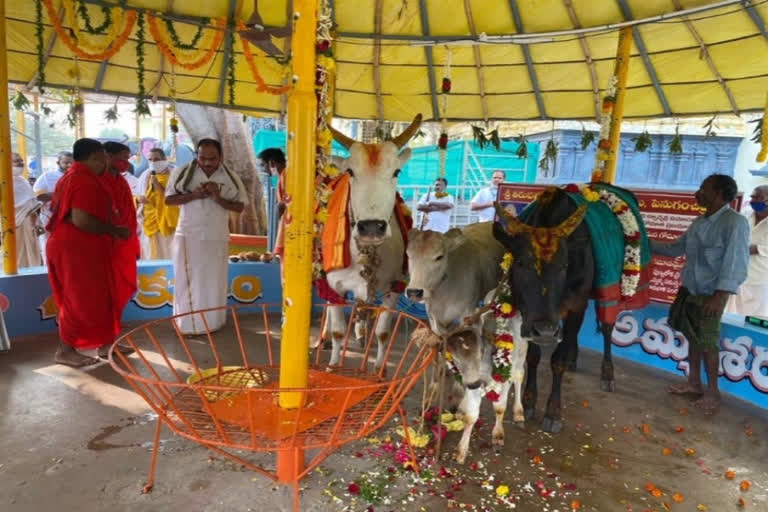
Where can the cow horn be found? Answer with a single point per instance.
(402, 139)
(341, 138)
(570, 224)
(512, 225)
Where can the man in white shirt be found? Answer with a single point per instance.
(482, 203)
(436, 206)
(206, 191)
(44, 188)
(752, 297)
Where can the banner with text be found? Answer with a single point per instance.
(666, 215)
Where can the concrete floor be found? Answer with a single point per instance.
(80, 440)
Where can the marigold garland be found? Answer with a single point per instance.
(261, 85)
(604, 145)
(114, 47)
(113, 21)
(40, 45)
(83, 10)
(188, 59)
(178, 43)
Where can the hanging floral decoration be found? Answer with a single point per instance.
(82, 45)
(504, 341)
(676, 144)
(451, 364)
(587, 138)
(111, 115)
(261, 85)
(75, 100)
(762, 127)
(170, 29)
(20, 101)
(186, 56)
(325, 171)
(630, 273)
(40, 45)
(522, 147)
(643, 142)
(231, 81)
(142, 107)
(82, 9)
(604, 148)
(173, 123)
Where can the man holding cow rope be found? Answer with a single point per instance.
(716, 247)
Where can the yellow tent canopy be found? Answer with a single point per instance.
(392, 54)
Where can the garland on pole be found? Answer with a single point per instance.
(604, 146)
(231, 81)
(325, 171)
(142, 108)
(40, 46)
(173, 123)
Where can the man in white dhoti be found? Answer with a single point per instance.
(752, 298)
(206, 192)
(26, 208)
(44, 188)
(157, 222)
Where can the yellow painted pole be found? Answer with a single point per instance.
(621, 70)
(21, 142)
(7, 214)
(300, 182)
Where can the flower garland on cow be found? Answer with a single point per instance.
(630, 274)
(503, 338)
(604, 145)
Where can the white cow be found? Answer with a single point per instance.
(472, 353)
(452, 272)
(373, 169)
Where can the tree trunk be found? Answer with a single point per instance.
(237, 142)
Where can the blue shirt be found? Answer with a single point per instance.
(716, 250)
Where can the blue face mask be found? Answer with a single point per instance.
(758, 206)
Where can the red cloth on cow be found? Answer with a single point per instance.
(126, 252)
(80, 264)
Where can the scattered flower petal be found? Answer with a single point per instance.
(502, 491)
(730, 474)
(701, 508)
(666, 451)
(744, 485)
(678, 497)
(353, 488)
(690, 452)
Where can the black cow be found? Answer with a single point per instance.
(551, 279)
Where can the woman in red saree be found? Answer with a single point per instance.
(80, 254)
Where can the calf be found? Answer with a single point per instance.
(471, 350)
(452, 272)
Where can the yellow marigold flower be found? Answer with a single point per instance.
(322, 215)
(603, 155)
(502, 491)
(506, 308)
(446, 418)
(454, 426)
(505, 345)
(331, 170)
(632, 267)
(506, 261)
(324, 138)
(448, 356)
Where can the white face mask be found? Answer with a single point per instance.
(18, 171)
(158, 165)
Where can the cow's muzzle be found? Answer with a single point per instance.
(371, 231)
(543, 332)
(414, 294)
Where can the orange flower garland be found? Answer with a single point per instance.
(116, 45)
(261, 85)
(170, 52)
(83, 37)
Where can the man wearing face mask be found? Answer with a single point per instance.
(157, 220)
(273, 160)
(752, 299)
(206, 191)
(126, 251)
(482, 203)
(44, 187)
(26, 208)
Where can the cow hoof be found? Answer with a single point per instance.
(552, 426)
(520, 425)
(608, 385)
(530, 414)
(460, 457)
(327, 345)
(571, 366)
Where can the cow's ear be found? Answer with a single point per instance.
(454, 238)
(404, 156)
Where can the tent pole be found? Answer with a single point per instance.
(621, 69)
(7, 215)
(300, 182)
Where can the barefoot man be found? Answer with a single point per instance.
(716, 247)
(80, 251)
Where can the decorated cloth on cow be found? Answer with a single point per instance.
(336, 235)
(608, 247)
